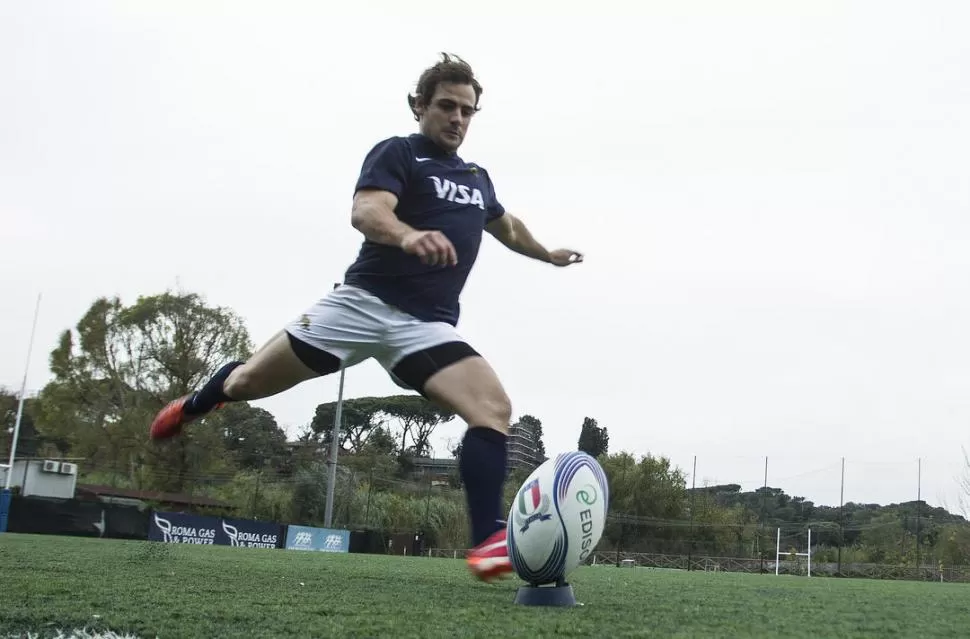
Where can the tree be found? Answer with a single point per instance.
(593, 439)
(417, 418)
(119, 366)
(309, 501)
(380, 443)
(887, 539)
(28, 440)
(361, 418)
(954, 544)
(644, 493)
(357, 422)
(252, 436)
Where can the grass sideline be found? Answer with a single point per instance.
(55, 586)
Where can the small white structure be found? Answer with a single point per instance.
(42, 477)
(808, 553)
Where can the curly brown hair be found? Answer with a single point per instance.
(450, 69)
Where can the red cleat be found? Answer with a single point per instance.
(171, 419)
(490, 559)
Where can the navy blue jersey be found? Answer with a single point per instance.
(436, 190)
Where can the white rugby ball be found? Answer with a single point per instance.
(557, 517)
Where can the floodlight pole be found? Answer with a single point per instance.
(334, 448)
(20, 404)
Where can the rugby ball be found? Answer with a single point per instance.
(557, 517)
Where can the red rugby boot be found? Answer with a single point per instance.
(490, 559)
(172, 418)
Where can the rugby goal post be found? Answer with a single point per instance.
(8, 467)
(778, 552)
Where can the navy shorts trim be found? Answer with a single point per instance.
(416, 369)
(319, 361)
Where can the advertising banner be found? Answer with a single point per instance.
(250, 534)
(319, 539)
(5, 497)
(180, 528)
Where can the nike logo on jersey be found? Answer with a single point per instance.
(422, 159)
(458, 193)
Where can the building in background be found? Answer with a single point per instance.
(523, 449)
(440, 470)
(42, 477)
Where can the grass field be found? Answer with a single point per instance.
(53, 586)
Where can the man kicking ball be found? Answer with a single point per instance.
(421, 209)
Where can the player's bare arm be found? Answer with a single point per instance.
(373, 215)
(513, 233)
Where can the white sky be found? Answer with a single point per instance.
(772, 199)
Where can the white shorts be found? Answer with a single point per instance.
(353, 325)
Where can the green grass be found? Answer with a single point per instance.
(50, 584)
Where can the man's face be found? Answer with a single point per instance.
(445, 119)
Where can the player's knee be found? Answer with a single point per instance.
(496, 412)
(242, 384)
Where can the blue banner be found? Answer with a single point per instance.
(319, 539)
(4, 508)
(180, 528)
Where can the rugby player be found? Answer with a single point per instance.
(422, 210)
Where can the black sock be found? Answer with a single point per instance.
(482, 466)
(204, 400)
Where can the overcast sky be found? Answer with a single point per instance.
(773, 199)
